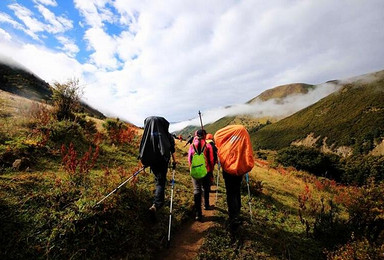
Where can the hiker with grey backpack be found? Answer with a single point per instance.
(156, 149)
(200, 158)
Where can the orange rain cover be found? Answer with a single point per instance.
(234, 149)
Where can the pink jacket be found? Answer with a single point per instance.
(208, 152)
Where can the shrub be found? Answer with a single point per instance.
(88, 125)
(311, 160)
(356, 250)
(66, 99)
(66, 132)
(40, 114)
(119, 132)
(358, 169)
(78, 168)
(367, 212)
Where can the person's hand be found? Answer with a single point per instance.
(174, 165)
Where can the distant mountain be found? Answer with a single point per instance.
(19, 81)
(23, 83)
(282, 91)
(278, 94)
(349, 120)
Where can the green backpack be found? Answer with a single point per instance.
(198, 169)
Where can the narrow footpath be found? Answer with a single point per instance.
(187, 242)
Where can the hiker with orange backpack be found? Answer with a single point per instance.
(236, 158)
(200, 159)
(156, 149)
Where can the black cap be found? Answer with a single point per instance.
(201, 133)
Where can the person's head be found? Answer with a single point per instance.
(209, 137)
(201, 133)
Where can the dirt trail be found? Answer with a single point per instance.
(187, 242)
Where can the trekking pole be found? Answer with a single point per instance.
(127, 180)
(249, 194)
(201, 121)
(170, 209)
(217, 179)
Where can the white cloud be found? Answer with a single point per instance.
(95, 12)
(47, 64)
(69, 46)
(46, 2)
(5, 18)
(55, 24)
(173, 58)
(271, 108)
(25, 15)
(5, 35)
(104, 47)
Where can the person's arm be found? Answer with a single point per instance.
(191, 151)
(210, 156)
(173, 151)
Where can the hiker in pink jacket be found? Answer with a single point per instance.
(203, 184)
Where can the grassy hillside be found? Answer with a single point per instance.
(25, 84)
(353, 116)
(47, 201)
(53, 172)
(282, 92)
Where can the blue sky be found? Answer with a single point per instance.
(137, 58)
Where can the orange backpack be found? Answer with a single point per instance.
(234, 149)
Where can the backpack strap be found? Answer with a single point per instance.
(195, 149)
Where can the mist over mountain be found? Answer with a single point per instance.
(348, 121)
(277, 103)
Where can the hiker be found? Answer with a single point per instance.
(236, 158)
(200, 183)
(209, 139)
(190, 139)
(156, 148)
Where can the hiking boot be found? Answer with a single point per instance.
(209, 207)
(199, 217)
(234, 224)
(197, 206)
(152, 213)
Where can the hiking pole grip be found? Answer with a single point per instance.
(122, 184)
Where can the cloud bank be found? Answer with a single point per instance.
(281, 107)
(172, 58)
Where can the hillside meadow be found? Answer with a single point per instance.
(47, 199)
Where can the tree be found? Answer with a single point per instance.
(66, 98)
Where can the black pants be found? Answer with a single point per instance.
(232, 186)
(160, 172)
(202, 185)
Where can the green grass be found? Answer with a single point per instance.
(349, 117)
(275, 230)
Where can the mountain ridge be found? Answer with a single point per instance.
(17, 80)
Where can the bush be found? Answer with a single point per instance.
(358, 169)
(88, 125)
(311, 160)
(119, 132)
(66, 99)
(356, 250)
(367, 212)
(66, 132)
